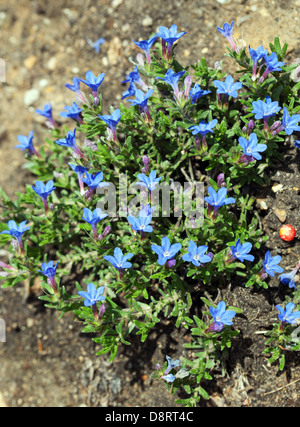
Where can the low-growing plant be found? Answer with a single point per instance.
(92, 210)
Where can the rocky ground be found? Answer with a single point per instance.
(46, 361)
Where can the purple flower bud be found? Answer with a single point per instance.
(106, 230)
(220, 180)
(102, 310)
(146, 162)
(251, 126)
(187, 86)
(171, 263)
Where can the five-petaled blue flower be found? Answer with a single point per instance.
(203, 128)
(196, 93)
(112, 121)
(272, 64)
(134, 77)
(257, 55)
(75, 87)
(146, 45)
(265, 109)
(48, 270)
(166, 251)
(93, 295)
(93, 82)
(47, 112)
(130, 91)
(221, 317)
(141, 223)
(241, 251)
(119, 261)
(289, 278)
(70, 142)
(228, 88)
(196, 255)
(227, 31)
(44, 190)
(270, 264)
(172, 79)
(80, 170)
(93, 218)
(169, 37)
(217, 199)
(287, 315)
(94, 181)
(16, 230)
(149, 182)
(141, 99)
(251, 148)
(290, 122)
(96, 44)
(72, 112)
(27, 144)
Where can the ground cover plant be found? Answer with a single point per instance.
(92, 207)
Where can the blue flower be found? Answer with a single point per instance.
(228, 88)
(80, 171)
(150, 181)
(171, 365)
(172, 79)
(169, 37)
(16, 230)
(289, 278)
(146, 45)
(142, 100)
(92, 81)
(272, 64)
(130, 91)
(217, 200)
(290, 122)
(196, 255)
(270, 264)
(134, 77)
(264, 110)
(241, 251)
(93, 218)
(196, 93)
(287, 315)
(48, 270)
(93, 295)
(251, 148)
(96, 44)
(227, 31)
(221, 317)
(75, 87)
(257, 55)
(27, 144)
(119, 261)
(112, 121)
(166, 251)
(72, 112)
(44, 190)
(46, 112)
(297, 143)
(94, 181)
(204, 128)
(141, 223)
(70, 142)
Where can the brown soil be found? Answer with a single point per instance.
(46, 361)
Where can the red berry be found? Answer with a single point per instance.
(287, 233)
